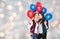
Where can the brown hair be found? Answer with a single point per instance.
(35, 14)
(42, 18)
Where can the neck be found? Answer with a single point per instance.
(35, 19)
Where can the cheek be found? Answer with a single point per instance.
(41, 16)
(36, 15)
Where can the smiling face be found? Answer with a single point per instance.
(40, 16)
(36, 16)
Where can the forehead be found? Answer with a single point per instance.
(36, 14)
(39, 14)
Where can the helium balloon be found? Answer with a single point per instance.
(30, 14)
(48, 16)
(44, 10)
(33, 7)
(38, 7)
(38, 3)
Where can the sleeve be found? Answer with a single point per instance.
(47, 23)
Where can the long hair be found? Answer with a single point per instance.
(43, 19)
(35, 14)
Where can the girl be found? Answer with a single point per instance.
(33, 26)
(42, 28)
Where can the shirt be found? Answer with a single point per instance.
(36, 28)
(30, 24)
(39, 29)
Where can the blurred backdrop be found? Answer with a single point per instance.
(13, 18)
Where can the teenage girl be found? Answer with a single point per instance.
(42, 27)
(33, 26)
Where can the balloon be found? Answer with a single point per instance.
(44, 10)
(38, 3)
(33, 7)
(48, 16)
(38, 7)
(30, 14)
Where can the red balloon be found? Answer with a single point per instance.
(30, 14)
(38, 7)
(38, 3)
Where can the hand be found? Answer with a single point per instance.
(30, 22)
(46, 25)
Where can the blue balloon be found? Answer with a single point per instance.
(44, 10)
(48, 16)
(33, 7)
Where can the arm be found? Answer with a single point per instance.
(46, 24)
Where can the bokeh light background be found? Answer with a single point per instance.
(13, 18)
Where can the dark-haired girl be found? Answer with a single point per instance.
(42, 27)
(33, 26)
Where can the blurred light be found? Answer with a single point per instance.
(51, 9)
(1, 28)
(44, 0)
(30, 2)
(9, 25)
(57, 15)
(7, 32)
(16, 35)
(28, 35)
(21, 29)
(58, 31)
(18, 16)
(9, 37)
(4, 0)
(25, 0)
(2, 34)
(21, 9)
(57, 7)
(14, 14)
(12, 24)
(6, 26)
(59, 26)
(1, 15)
(53, 2)
(9, 7)
(2, 4)
(54, 23)
(11, 18)
(19, 3)
(1, 9)
(48, 38)
(25, 22)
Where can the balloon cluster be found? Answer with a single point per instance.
(38, 8)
